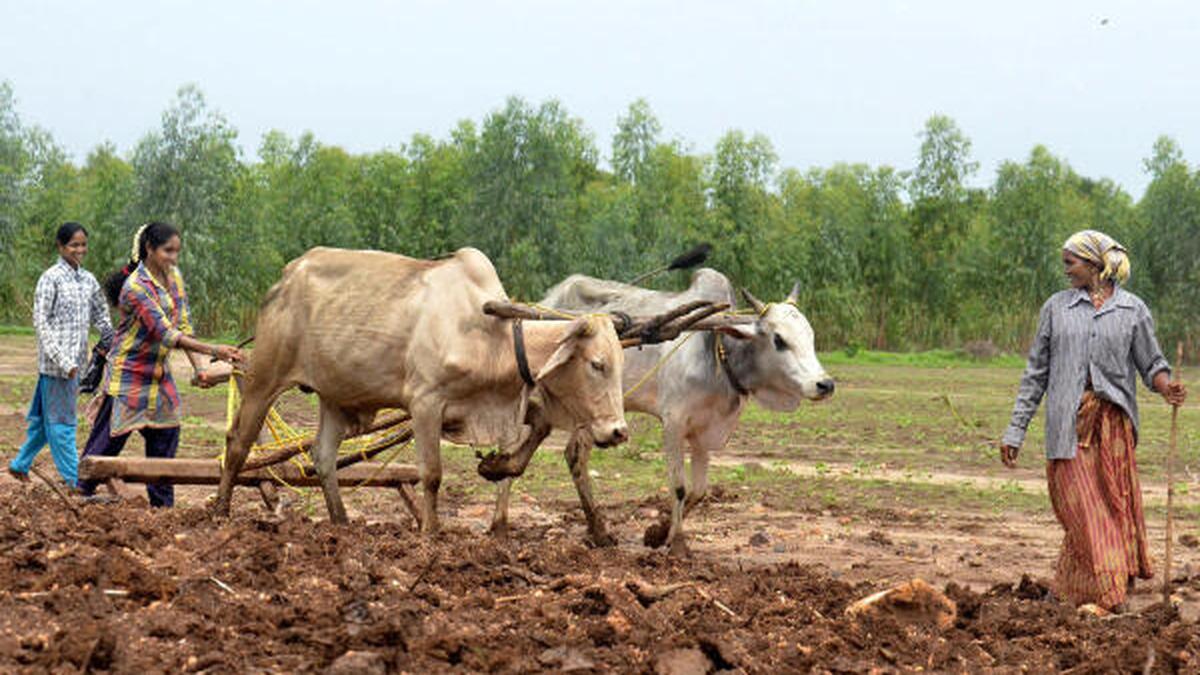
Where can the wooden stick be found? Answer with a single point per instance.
(376, 447)
(648, 593)
(510, 310)
(421, 577)
(185, 471)
(717, 603)
(410, 503)
(693, 316)
(656, 322)
(657, 330)
(703, 322)
(1171, 451)
(57, 490)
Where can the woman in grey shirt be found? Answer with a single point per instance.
(1093, 341)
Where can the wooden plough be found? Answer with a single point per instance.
(275, 464)
(271, 467)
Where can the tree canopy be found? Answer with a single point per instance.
(888, 258)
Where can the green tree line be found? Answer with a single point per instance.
(886, 258)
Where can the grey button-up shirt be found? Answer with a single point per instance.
(66, 302)
(1113, 344)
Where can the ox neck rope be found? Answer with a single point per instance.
(519, 349)
(723, 359)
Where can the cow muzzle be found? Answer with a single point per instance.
(608, 434)
(825, 388)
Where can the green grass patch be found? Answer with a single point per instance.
(934, 358)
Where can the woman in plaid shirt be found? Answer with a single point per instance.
(139, 391)
(67, 301)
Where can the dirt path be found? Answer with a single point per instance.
(999, 479)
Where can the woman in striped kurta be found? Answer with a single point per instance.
(139, 391)
(1093, 341)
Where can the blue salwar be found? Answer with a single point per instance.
(51, 420)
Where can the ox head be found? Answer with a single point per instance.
(778, 362)
(581, 382)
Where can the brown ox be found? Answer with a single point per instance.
(368, 330)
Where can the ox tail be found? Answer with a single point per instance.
(687, 260)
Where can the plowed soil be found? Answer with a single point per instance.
(122, 588)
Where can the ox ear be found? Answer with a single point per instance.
(739, 331)
(567, 345)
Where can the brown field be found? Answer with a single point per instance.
(894, 478)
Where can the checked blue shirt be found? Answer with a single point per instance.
(66, 302)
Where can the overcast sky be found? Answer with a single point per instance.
(837, 80)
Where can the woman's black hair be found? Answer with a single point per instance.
(152, 235)
(68, 230)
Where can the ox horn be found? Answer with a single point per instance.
(757, 304)
(794, 295)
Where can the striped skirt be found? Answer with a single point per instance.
(1098, 501)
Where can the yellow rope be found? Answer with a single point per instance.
(284, 435)
(646, 378)
(550, 310)
(395, 453)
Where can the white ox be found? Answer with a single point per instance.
(698, 391)
(368, 330)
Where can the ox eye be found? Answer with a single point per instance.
(780, 344)
(598, 366)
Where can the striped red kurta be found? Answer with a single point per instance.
(1098, 501)
(153, 316)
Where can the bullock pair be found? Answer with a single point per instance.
(368, 330)
(696, 385)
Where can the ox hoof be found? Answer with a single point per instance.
(679, 548)
(495, 467)
(656, 535)
(218, 509)
(601, 540)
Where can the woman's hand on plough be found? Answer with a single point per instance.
(229, 354)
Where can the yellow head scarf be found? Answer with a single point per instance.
(1102, 251)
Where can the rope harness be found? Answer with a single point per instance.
(284, 436)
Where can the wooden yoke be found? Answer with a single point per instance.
(634, 331)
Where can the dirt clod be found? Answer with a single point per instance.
(566, 659)
(912, 602)
(358, 663)
(877, 537)
(681, 662)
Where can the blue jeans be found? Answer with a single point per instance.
(51, 420)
